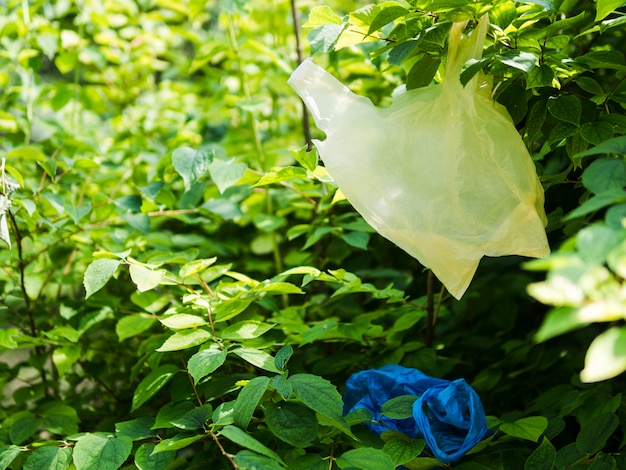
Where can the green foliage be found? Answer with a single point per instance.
(182, 285)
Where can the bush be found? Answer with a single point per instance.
(186, 288)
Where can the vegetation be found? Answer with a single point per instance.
(183, 286)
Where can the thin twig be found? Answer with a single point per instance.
(306, 126)
(430, 308)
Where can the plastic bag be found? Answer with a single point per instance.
(442, 172)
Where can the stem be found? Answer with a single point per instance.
(430, 308)
(223, 451)
(306, 127)
(193, 385)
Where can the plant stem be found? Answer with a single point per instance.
(430, 308)
(306, 127)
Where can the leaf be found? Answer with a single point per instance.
(257, 358)
(248, 329)
(248, 460)
(179, 441)
(400, 407)
(321, 396)
(308, 462)
(136, 429)
(49, 458)
(323, 38)
(292, 423)
(566, 108)
(78, 212)
(205, 362)
(542, 457)
(605, 7)
(132, 325)
(8, 454)
(605, 174)
(185, 339)
(530, 428)
(282, 356)
(422, 72)
(146, 460)
(144, 278)
(365, 457)
(282, 386)
(594, 434)
(596, 132)
(102, 452)
(606, 356)
(248, 399)
(195, 267)
(98, 274)
(389, 12)
(321, 15)
(228, 309)
(24, 425)
(181, 321)
(521, 60)
(598, 202)
(535, 119)
(539, 76)
(428, 463)
(239, 437)
(152, 383)
(559, 321)
(194, 419)
(190, 164)
(65, 357)
(616, 145)
(226, 173)
(59, 418)
(401, 451)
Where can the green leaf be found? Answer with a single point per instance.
(535, 119)
(428, 463)
(228, 309)
(292, 423)
(65, 357)
(77, 213)
(401, 451)
(365, 457)
(594, 434)
(59, 418)
(389, 12)
(400, 407)
(559, 321)
(240, 437)
(205, 362)
(182, 321)
(136, 429)
(596, 132)
(50, 458)
(308, 159)
(248, 329)
(539, 76)
(605, 7)
(144, 278)
(98, 274)
(248, 399)
(152, 383)
(321, 15)
(308, 462)
(605, 174)
(530, 428)
(101, 451)
(194, 419)
(179, 441)
(7, 455)
(226, 173)
(257, 358)
(321, 396)
(23, 425)
(282, 357)
(282, 386)
(132, 325)
(542, 457)
(598, 202)
(190, 164)
(323, 38)
(146, 460)
(566, 108)
(521, 60)
(195, 267)
(616, 145)
(606, 356)
(422, 72)
(185, 339)
(248, 460)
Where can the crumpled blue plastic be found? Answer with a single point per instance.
(448, 415)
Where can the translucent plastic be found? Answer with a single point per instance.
(442, 172)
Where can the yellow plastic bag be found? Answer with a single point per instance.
(442, 172)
